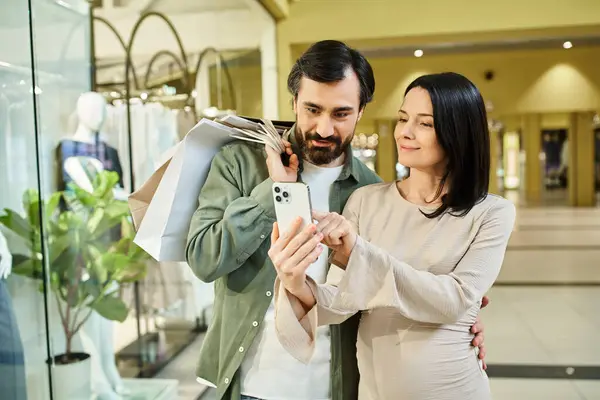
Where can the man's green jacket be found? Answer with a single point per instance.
(227, 244)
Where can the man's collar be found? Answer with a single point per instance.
(350, 167)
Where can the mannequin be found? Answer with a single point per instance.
(75, 155)
(80, 159)
(12, 365)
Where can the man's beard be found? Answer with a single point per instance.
(321, 155)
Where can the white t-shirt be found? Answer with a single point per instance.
(268, 371)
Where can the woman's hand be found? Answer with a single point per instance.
(292, 253)
(338, 233)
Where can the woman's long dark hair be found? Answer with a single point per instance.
(461, 126)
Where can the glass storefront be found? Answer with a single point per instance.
(89, 313)
(44, 67)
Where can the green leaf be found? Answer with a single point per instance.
(69, 221)
(122, 246)
(17, 224)
(104, 183)
(111, 308)
(117, 210)
(19, 259)
(30, 268)
(77, 197)
(31, 205)
(52, 205)
(94, 253)
(54, 283)
(16, 244)
(128, 232)
(134, 272)
(64, 266)
(29, 196)
(114, 262)
(41, 286)
(98, 218)
(97, 271)
(57, 247)
(92, 288)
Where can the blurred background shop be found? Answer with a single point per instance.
(145, 71)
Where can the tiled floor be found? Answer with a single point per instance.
(534, 318)
(554, 246)
(549, 325)
(183, 368)
(537, 389)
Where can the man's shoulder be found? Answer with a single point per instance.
(244, 147)
(365, 175)
(239, 151)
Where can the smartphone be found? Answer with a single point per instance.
(292, 200)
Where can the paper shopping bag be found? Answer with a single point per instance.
(165, 213)
(140, 199)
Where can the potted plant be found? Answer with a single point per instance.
(85, 263)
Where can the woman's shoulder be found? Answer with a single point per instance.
(493, 204)
(495, 210)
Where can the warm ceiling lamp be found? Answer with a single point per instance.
(418, 53)
(567, 45)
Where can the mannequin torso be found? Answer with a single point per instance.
(85, 154)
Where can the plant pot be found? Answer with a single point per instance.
(72, 381)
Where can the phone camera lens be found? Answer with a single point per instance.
(277, 190)
(285, 194)
(278, 198)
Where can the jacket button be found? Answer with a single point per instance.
(262, 236)
(226, 380)
(269, 293)
(241, 349)
(255, 324)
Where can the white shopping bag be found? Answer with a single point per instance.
(162, 225)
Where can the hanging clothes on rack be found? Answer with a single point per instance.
(153, 132)
(17, 136)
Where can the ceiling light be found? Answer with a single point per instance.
(418, 53)
(567, 45)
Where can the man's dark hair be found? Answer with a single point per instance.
(461, 127)
(328, 61)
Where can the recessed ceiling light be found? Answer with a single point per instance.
(567, 45)
(418, 53)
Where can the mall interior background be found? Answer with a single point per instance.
(536, 63)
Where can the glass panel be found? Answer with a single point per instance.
(61, 57)
(23, 374)
(50, 138)
(90, 257)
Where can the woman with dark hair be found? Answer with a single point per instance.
(414, 257)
